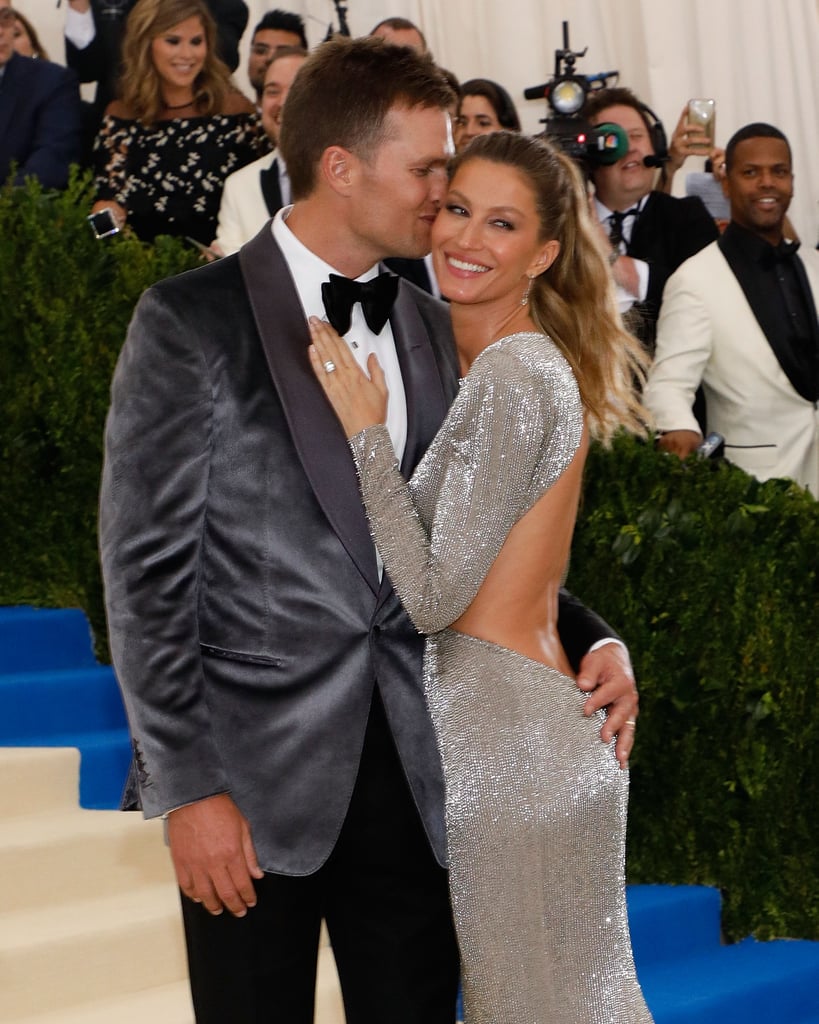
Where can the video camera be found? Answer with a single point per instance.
(566, 94)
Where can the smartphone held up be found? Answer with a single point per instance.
(702, 113)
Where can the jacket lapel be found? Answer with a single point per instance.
(271, 188)
(317, 435)
(427, 403)
(733, 245)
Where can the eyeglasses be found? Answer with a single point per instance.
(7, 15)
(261, 49)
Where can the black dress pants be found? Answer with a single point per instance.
(386, 904)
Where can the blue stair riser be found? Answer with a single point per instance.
(41, 704)
(103, 771)
(668, 922)
(34, 639)
(747, 983)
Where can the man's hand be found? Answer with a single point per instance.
(680, 442)
(213, 855)
(606, 674)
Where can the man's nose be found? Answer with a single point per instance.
(438, 184)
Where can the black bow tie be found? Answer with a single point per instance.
(340, 294)
(616, 224)
(784, 252)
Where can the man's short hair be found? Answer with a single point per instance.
(342, 96)
(757, 130)
(399, 25)
(283, 21)
(617, 96)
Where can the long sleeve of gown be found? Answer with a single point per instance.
(513, 429)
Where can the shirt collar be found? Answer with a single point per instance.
(308, 270)
(754, 248)
(603, 212)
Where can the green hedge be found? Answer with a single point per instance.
(67, 299)
(710, 576)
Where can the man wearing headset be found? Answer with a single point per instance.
(650, 233)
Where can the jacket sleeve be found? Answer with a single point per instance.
(684, 343)
(694, 229)
(229, 235)
(152, 509)
(231, 18)
(56, 132)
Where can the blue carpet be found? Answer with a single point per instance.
(52, 693)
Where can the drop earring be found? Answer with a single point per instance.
(525, 300)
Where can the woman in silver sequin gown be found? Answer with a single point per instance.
(475, 545)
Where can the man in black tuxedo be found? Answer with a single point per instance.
(650, 233)
(39, 114)
(271, 677)
(93, 44)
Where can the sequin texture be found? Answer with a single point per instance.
(535, 803)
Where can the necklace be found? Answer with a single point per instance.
(179, 106)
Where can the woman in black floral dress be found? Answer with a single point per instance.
(179, 129)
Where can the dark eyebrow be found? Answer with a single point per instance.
(493, 210)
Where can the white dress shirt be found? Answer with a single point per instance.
(309, 273)
(625, 299)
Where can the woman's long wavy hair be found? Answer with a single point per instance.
(574, 300)
(140, 85)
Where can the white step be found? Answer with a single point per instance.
(171, 1004)
(165, 1004)
(60, 956)
(37, 779)
(69, 855)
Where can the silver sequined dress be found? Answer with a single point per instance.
(535, 803)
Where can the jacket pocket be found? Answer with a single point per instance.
(208, 651)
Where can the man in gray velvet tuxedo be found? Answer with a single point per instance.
(272, 678)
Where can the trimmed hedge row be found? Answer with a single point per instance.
(712, 579)
(67, 301)
(710, 576)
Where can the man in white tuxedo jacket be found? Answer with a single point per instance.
(740, 318)
(257, 191)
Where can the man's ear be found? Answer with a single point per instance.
(337, 168)
(545, 258)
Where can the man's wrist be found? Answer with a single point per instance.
(610, 640)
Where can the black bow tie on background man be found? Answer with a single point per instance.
(616, 221)
(340, 294)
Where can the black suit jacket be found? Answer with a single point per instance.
(413, 270)
(248, 625)
(667, 232)
(39, 121)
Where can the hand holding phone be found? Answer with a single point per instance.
(103, 222)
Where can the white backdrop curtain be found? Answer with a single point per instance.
(758, 59)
